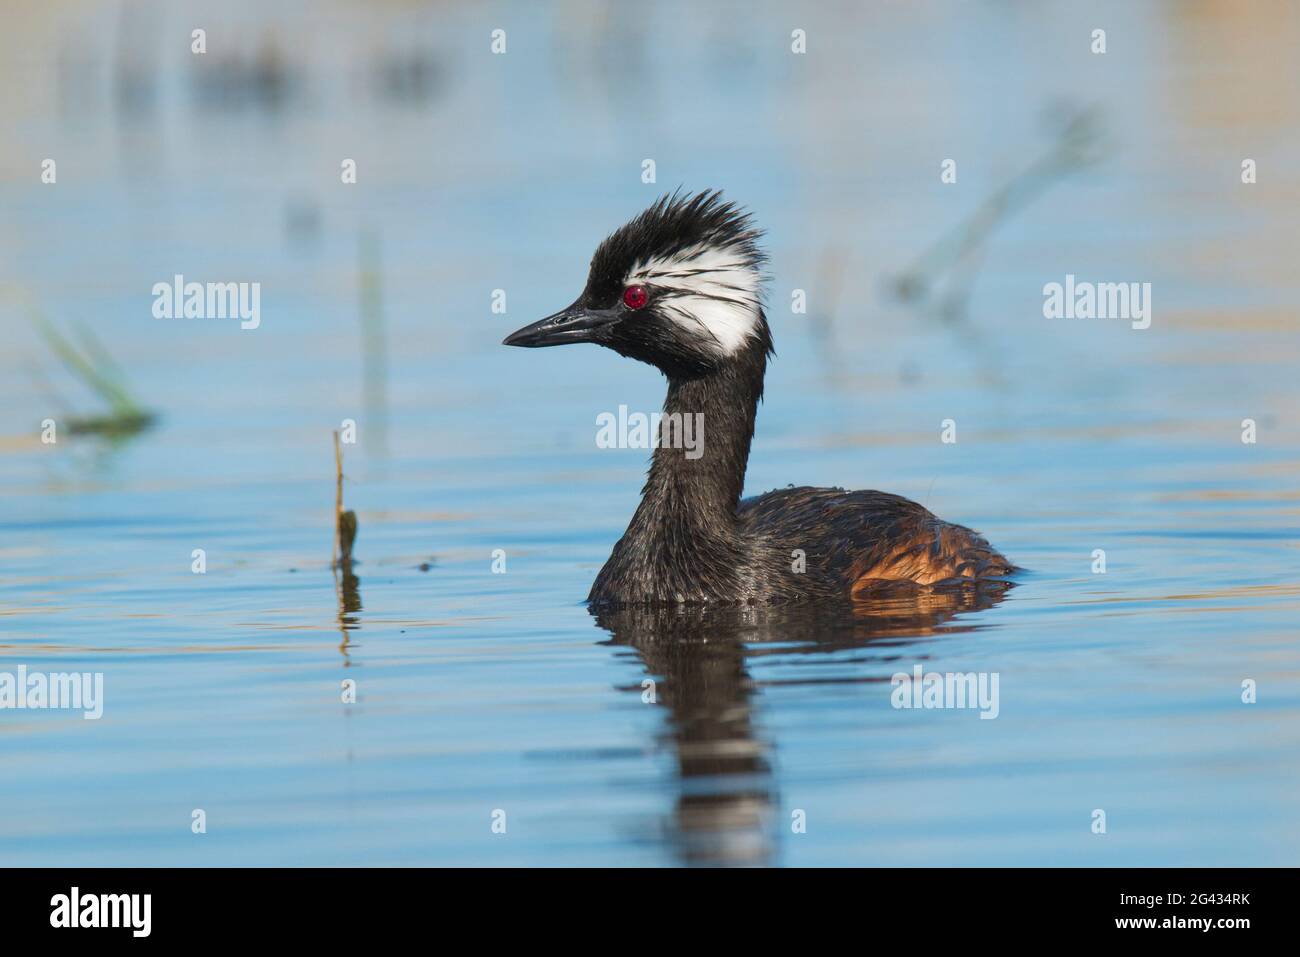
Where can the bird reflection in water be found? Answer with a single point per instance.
(726, 810)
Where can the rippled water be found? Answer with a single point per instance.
(639, 738)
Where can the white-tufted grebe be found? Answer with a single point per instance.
(680, 287)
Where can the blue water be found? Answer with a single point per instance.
(482, 692)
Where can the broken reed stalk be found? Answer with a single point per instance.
(338, 496)
(345, 522)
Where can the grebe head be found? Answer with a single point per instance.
(679, 287)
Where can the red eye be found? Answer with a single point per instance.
(634, 297)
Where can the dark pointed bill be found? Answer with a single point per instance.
(574, 324)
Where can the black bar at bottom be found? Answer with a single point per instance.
(338, 906)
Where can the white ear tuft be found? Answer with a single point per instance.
(712, 292)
